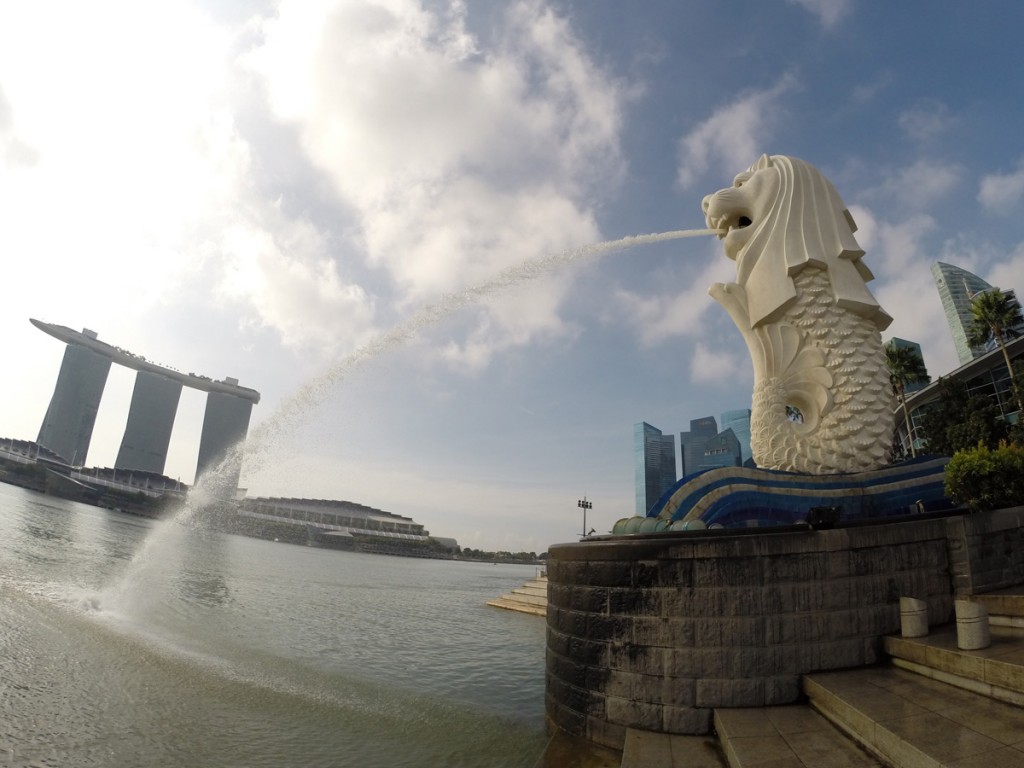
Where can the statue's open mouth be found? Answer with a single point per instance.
(726, 225)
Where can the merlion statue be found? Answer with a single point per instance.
(822, 398)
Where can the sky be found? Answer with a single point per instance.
(308, 195)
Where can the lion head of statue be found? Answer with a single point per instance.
(779, 217)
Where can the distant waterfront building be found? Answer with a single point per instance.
(957, 287)
(336, 524)
(68, 424)
(654, 465)
(912, 345)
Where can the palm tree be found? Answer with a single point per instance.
(905, 367)
(996, 315)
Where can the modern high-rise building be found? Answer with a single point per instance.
(150, 420)
(703, 447)
(70, 418)
(739, 422)
(225, 425)
(722, 450)
(67, 426)
(912, 345)
(691, 444)
(957, 287)
(654, 462)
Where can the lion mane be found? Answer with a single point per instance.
(797, 234)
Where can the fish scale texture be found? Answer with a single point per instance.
(852, 433)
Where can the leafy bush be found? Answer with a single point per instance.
(983, 478)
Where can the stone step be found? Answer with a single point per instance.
(996, 671)
(541, 587)
(793, 735)
(644, 749)
(518, 605)
(1005, 607)
(530, 586)
(907, 719)
(530, 598)
(527, 597)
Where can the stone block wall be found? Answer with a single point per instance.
(655, 632)
(986, 551)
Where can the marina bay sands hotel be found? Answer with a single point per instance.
(68, 424)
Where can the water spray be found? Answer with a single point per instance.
(316, 390)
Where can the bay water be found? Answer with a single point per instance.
(222, 650)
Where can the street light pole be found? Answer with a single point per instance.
(584, 505)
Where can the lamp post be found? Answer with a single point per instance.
(584, 505)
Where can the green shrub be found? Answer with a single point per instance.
(983, 478)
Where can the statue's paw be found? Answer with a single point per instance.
(734, 299)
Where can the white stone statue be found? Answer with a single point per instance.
(822, 399)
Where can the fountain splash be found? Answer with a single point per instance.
(206, 499)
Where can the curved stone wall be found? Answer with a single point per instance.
(655, 632)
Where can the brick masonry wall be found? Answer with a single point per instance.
(986, 551)
(655, 632)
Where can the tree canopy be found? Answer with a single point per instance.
(905, 367)
(958, 422)
(996, 315)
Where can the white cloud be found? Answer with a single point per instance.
(734, 136)
(1003, 193)
(896, 247)
(898, 256)
(829, 12)
(512, 319)
(926, 120)
(460, 157)
(679, 311)
(917, 187)
(713, 366)
(1009, 274)
(291, 285)
(866, 92)
(137, 148)
(14, 151)
(867, 226)
(117, 126)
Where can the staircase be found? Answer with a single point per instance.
(930, 705)
(934, 705)
(530, 598)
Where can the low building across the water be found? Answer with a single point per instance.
(340, 525)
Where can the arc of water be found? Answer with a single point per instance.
(208, 487)
(314, 391)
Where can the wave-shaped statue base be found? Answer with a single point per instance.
(822, 399)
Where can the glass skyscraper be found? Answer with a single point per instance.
(739, 422)
(904, 344)
(691, 444)
(956, 289)
(654, 460)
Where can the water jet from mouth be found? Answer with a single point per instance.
(209, 496)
